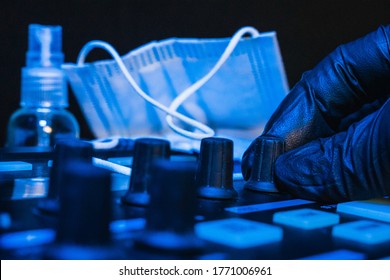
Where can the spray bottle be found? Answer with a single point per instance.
(42, 118)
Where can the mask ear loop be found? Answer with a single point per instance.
(171, 110)
(178, 101)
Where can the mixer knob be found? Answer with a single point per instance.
(171, 214)
(64, 151)
(215, 169)
(85, 212)
(266, 150)
(146, 150)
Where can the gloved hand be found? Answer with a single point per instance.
(336, 126)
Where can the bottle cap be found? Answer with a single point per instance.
(44, 46)
(43, 81)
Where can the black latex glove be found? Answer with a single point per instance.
(336, 124)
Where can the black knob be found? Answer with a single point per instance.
(215, 169)
(266, 150)
(171, 214)
(65, 150)
(85, 212)
(85, 209)
(146, 150)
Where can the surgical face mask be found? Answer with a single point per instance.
(193, 86)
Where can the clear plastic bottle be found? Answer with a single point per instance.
(43, 117)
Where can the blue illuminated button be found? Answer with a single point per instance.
(23, 239)
(238, 233)
(306, 218)
(7, 166)
(366, 232)
(341, 254)
(377, 209)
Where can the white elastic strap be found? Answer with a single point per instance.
(127, 170)
(107, 143)
(171, 110)
(176, 103)
(111, 166)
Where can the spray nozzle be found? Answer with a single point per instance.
(44, 46)
(43, 81)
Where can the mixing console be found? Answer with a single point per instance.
(55, 204)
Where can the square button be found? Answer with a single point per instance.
(306, 218)
(238, 233)
(341, 254)
(365, 232)
(377, 209)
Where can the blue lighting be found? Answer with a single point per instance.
(306, 218)
(8, 166)
(377, 209)
(30, 188)
(127, 225)
(267, 206)
(26, 238)
(238, 233)
(337, 255)
(125, 161)
(365, 232)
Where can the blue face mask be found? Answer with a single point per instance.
(194, 86)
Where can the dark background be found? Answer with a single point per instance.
(307, 30)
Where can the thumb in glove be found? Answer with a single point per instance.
(350, 165)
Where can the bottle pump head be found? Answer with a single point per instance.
(44, 46)
(43, 81)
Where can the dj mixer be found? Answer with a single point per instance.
(56, 204)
